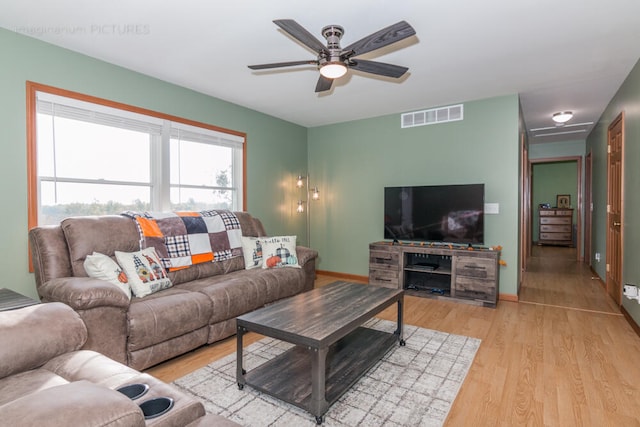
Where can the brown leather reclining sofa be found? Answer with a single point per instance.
(199, 308)
(47, 381)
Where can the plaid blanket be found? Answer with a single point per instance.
(182, 239)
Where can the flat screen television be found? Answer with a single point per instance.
(435, 213)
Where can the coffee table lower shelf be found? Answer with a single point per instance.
(289, 375)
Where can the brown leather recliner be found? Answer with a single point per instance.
(46, 379)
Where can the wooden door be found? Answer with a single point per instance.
(615, 137)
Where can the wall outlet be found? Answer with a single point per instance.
(597, 256)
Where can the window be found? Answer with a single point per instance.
(89, 156)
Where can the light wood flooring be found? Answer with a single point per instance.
(562, 356)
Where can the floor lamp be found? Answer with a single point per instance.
(312, 194)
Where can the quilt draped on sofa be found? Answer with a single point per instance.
(182, 239)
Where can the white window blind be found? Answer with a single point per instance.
(96, 159)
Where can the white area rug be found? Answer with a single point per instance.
(413, 385)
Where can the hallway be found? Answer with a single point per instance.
(555, 278)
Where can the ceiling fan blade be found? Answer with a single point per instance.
(282, 64)
(298, 32)
(381, 68)
(323, 84)
(393, 33)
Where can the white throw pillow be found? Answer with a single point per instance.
(279, 251)
(101, 266)
(252, 252)
(144, 271)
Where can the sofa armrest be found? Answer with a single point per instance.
(31, 336)
(305, 254)
(102, 306)
(74, 404)
(83, 293)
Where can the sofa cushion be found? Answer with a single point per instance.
(15, 386)
(165, 315)
(30, 336)
(165, 350)
(91, 366)
(279, 251)
(75, 404)
(242, 291)
(105, 234)
(250, 225)
(252, 252)
(101, 266)
(144, 271)
(207, 269)
(50, 253)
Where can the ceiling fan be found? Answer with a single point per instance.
(333, 61)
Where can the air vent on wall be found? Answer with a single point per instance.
(451, 113)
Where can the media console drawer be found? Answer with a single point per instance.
(475, 288)
(386, 278)
(383, 259)
(481, 268)
(384, 266)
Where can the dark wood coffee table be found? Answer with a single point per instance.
(332, 348)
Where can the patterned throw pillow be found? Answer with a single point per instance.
(252, 252)
(279, 251)
(101, 266)
(144, 271)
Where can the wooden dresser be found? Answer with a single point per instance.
(555, 226)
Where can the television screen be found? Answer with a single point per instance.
(435, 213)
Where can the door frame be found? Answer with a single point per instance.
(588, 208)
(525, 218)
(579, 202)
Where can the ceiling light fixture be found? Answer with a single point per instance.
(333, 70)
(562, 116)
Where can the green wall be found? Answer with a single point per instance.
(352, 162)
(276, 150)
(626, 100)
(549, 180)
(557, 149)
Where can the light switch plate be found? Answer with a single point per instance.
(492, 208)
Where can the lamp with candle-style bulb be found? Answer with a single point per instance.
(302, 181)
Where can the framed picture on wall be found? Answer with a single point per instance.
(563, 201)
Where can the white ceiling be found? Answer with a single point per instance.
(558, 55)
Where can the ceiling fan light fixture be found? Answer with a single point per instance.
(333, 70)
(562, 116)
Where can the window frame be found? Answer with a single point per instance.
(33, 88)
